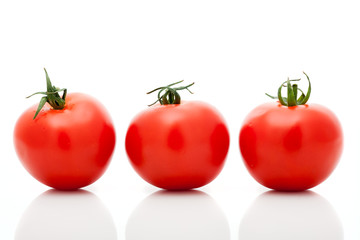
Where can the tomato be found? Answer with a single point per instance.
(69, 148)
(66, 215)
(295, 215)
(178, 146)
(291, 148)
(172, 215)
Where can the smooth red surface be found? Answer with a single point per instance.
(291, 148)
(178, 147)
(69, 148)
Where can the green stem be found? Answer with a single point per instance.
(170, 95)
(51, 96)
(292, 93)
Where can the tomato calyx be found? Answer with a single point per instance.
(170, 95)
(51, 96)
(292, 93)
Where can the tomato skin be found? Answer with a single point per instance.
(66, 149)
(290, 148)
(178, 147)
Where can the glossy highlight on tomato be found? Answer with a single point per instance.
(178, 146)
(291, 148)
(69, 148)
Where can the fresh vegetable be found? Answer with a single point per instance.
(67, 141)
(177, 145)
(290, 145)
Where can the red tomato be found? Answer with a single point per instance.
(178, 146)
(290, 148)
(69, 148)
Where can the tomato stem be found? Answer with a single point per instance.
(170, 95)
(292, 93)
(51, 96)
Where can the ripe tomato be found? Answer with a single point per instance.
(178, 146)
(291, 148)
(69, 148)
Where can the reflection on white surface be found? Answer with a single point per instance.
(190, 215)
(58, 215)
(296, 216)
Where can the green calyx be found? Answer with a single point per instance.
(292, 93)
(169, 95)
(51, 96)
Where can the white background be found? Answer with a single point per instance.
(235, 51)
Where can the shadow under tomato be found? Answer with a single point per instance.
(291, 215)
(62, 215)
(177, 215)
